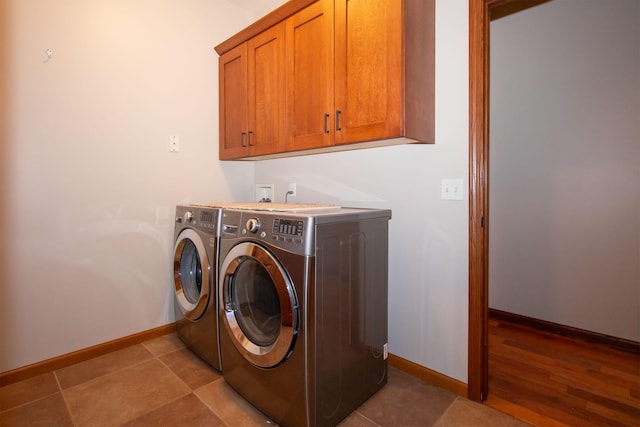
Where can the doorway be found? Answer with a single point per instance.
(480, 13)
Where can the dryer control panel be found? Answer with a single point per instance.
(290, 227)
(290, 232)
(200, 218)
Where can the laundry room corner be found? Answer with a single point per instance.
(94, 91)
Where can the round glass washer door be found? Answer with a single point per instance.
(259, 305)
(191, 274)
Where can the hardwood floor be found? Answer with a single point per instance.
(551, 380)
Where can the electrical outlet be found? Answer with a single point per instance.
(452, 189)
(292, 188)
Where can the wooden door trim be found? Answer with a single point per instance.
(478, 200)
(480, 14)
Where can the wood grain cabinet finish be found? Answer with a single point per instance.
(356, 74)
(310, 76)
(252, 96)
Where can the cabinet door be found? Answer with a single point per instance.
(310, 65)
(266, 92)
(369, 79)
(233, 103)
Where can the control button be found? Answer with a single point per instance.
(253, 225)
(263, 234)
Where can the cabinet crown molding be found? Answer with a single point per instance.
(262, 24)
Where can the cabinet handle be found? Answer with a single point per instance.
(326, 123)
(338, 112)
(249, 138)
(242, 139)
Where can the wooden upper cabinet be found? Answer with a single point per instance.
(310, 75)
(369, 79)
(252, 96)
(354, 73)
(385, 70)
(233, 102)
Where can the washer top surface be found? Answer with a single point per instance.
(270, 207)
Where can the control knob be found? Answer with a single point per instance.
(188, 216)
(253, 225)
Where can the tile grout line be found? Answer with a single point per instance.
(64, 399)
(151, 359)
(224, 421)
(445, 411)
(365, 417)
(30, 402)
(160, 405)
(193, 392)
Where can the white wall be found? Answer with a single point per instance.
(428, 255)
(89, 187)
(565, 156)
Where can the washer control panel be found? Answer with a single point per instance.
(289, 232)
(289, 227)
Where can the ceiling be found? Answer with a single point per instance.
(258, 8)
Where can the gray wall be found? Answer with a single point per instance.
(565, 165)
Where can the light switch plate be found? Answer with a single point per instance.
(452, 189)
(174, 143)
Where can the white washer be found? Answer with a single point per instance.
(195, 279)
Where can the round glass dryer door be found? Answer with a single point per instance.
(259, 303)
(191, 274)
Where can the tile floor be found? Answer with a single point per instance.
(161, 383)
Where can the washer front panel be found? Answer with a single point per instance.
(259, 305)
(191, 271)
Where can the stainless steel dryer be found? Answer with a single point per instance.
(195, 278)
(303, 314)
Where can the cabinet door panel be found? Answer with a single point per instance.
(309, 56)
(369, 80)
(233, 102)
(266, 77)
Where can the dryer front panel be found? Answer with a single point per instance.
(259, 305)
(191, 272)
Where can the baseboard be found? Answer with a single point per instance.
(622, 344)
(9, 377)
(432, 377)
(23, 373)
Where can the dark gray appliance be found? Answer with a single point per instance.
(303, 314)
(195, 278)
